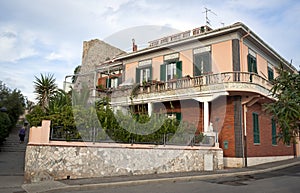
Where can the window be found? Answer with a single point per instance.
(202, 63)
(252, 66)
(270, 73)
(256, 137)
(176, 116)
(143, 74)
(274, 141)
(113, 82)
(170, 70)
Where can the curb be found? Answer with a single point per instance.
(172, 179)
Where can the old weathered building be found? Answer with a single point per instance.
(216, 79)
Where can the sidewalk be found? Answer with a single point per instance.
(93, 183)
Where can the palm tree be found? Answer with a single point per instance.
(45, 88)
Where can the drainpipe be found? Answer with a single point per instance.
(245, 135)
(241, 46)
(244, 104)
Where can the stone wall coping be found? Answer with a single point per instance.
(120, 145)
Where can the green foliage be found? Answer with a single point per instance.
(286, 109)
(4, 126)
(45, 88)
(36, 116)
(76, 71)
(140, 128)
(14, 102)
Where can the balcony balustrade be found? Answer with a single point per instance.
(226, 81)
(206, 80)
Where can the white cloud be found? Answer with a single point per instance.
(15, 46)
(46, 36)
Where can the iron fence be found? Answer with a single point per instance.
(98, 135)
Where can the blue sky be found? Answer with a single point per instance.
(46, 36)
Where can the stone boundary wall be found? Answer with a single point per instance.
(52, 162)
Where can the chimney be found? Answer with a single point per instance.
(134, 46)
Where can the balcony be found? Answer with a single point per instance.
(190, 87)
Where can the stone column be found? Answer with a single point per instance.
(206, 116)
(150, 109)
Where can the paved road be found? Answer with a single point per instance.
(12, 155)
(285, 180)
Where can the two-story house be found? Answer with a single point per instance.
(219, 78)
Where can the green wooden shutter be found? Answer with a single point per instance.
(254, 65)
(163, 72)
(119, 80)
(270, 74)
(137, 75)
(274, 141)
(178, 116)
(256, 135)
(179, 69)
(197, 63)
(249, 63)
(206, 63)
(108, 82)
(150, 74)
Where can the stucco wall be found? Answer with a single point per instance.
(222, 57)
(48, 162)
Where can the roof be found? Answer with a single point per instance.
(185, 38)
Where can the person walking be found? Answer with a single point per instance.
(22, 134)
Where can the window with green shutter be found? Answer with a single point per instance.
(163, 72)
(143, 74)
(252, 66)
(138, 75)
(274, 138)
(256, 134)
(108, 82)
(179, 69)
(171, 70)
(270, 74)
(202, 63)
(178, 116)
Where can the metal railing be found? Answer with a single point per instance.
(98, 135)
(205, 80)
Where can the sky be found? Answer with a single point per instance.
(46, 37)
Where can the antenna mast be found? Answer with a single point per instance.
(206, 15)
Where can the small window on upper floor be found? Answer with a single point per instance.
(144, 71)
(171, 68)
(202, 61)
(270, 72)
(252, 64)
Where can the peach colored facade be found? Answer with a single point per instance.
(187, 62)
(222, 57)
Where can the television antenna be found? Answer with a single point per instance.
(206, 15)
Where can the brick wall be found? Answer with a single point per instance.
(191, 111)
(224, 113)
(265, 147)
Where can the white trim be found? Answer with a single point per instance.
(233, 162)
(145, 63)
(252, 161)
(252, 53)
(171, 56)
(202, 49)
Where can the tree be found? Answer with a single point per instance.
(76, 71)
(286, 109)
(14, 104)
(45, 88)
